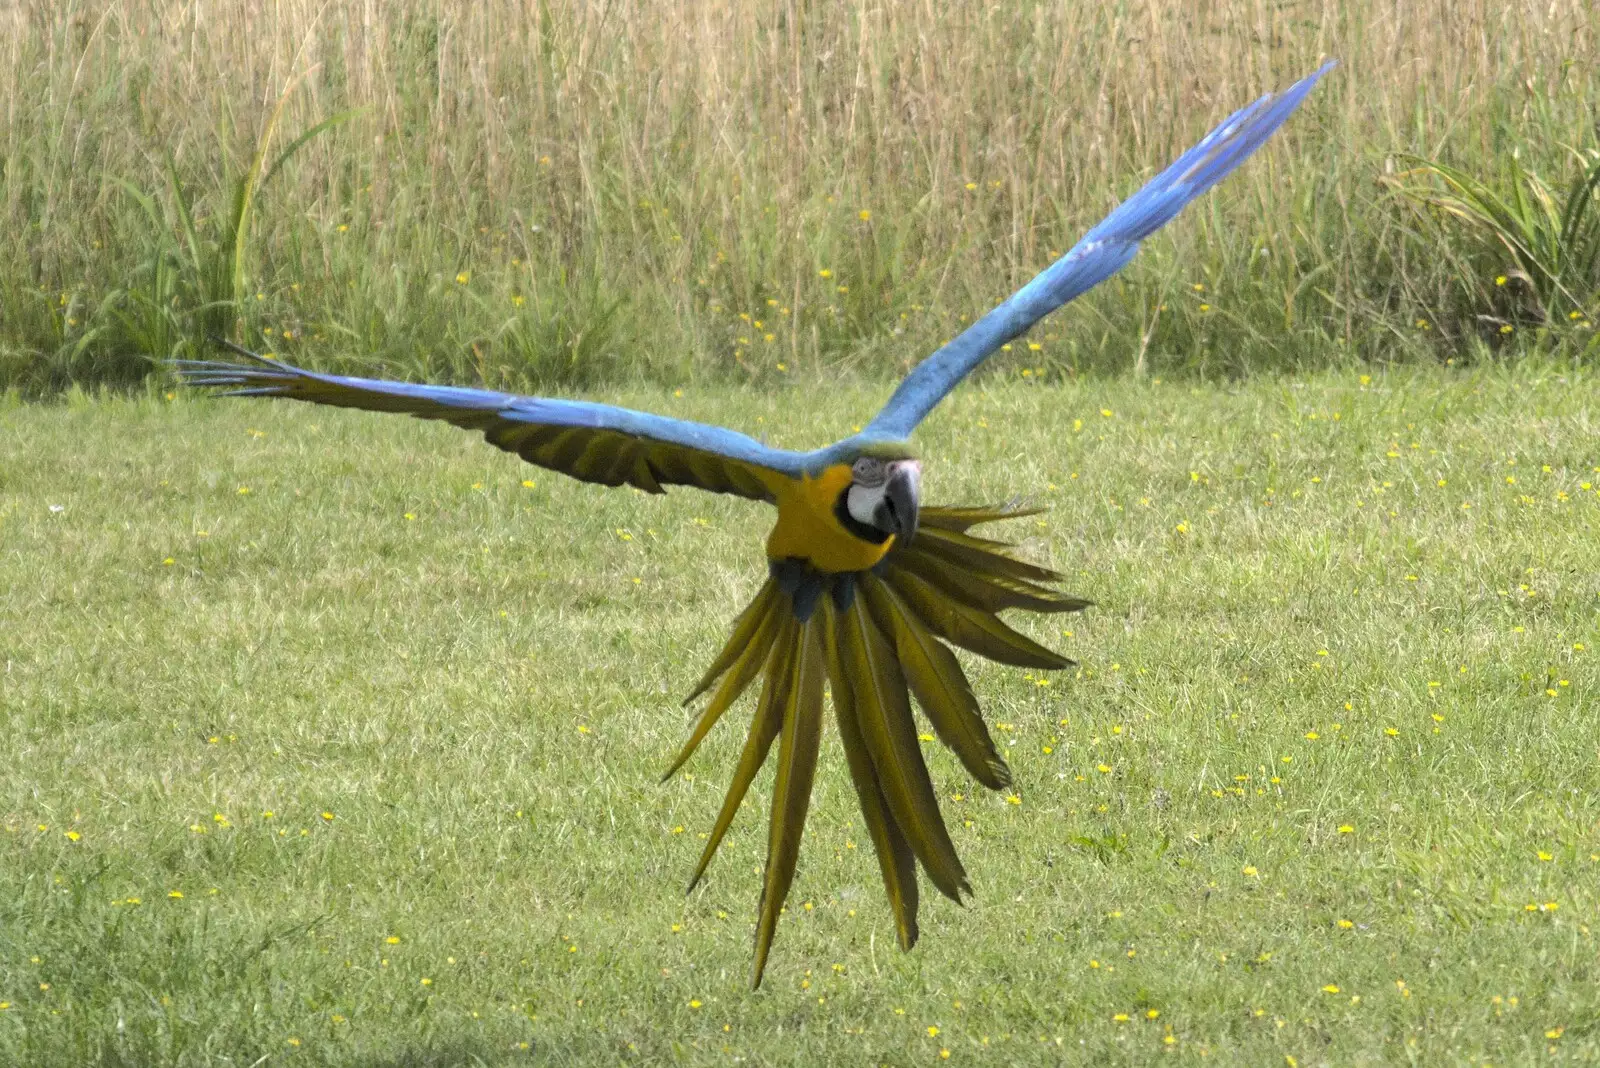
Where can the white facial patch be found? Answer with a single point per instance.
(862, 502)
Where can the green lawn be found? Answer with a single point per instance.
(328, 739)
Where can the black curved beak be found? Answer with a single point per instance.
(898, 512)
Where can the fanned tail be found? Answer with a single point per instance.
(879, 638)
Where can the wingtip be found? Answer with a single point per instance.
(240, 350)
(766, 928)
(1002, 774)
(1304, 85)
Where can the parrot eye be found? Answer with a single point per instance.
(869, 471)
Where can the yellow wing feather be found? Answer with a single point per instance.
(983, 589)
(940, 687)
(884, 712)
(895, 858)
(742, 659)
(791, 791)
(752, 619)
(972, 628)
(763, 729)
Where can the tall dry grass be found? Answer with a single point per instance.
(543, 194)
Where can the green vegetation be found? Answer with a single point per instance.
(1554, 242)
(329, 738)
(567, 195)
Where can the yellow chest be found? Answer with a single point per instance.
(808, 528)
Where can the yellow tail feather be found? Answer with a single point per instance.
(791, 792)
(878, 637)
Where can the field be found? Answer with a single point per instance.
(329, 738)
(334, 739)
(617, 192)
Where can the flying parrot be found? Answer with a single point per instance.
(866, 589)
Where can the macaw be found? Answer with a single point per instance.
(866, 588)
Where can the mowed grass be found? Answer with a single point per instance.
(327, 739)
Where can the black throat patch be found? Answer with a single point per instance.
(841, 511)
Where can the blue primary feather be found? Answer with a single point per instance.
(1101, 253)
(608, 444)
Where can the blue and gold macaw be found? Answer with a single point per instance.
(867, 590)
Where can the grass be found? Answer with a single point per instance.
(389, 719)
(600, 193)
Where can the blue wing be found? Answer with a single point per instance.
(593, 442)
(1101, 253)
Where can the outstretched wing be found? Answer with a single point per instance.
(1101, 253)
(593, 442)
